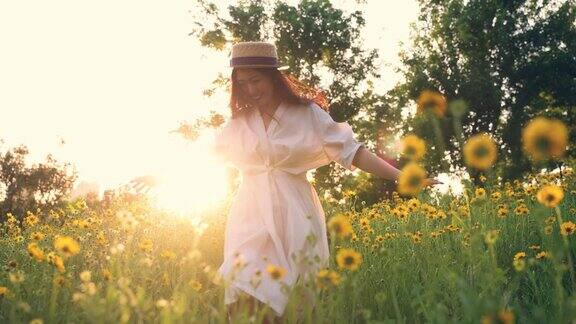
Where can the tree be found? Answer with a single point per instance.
(322, 46)
(509, 60)
(43, 185)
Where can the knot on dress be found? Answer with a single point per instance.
(270, 169)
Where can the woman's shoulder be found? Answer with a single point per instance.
(307, 109)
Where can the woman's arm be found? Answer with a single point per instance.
(371, 163)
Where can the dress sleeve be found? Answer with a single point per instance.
(337, 139)
(222, 142)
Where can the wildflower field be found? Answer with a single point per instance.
(499, 252)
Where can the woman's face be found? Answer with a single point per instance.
(256, 86)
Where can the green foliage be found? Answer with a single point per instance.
(502, 58)
(27, 188)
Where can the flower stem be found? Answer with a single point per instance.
(567, 246)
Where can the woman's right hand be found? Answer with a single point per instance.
(144, 183)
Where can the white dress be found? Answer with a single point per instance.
(276, 216)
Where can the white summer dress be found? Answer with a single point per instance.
(276, 216)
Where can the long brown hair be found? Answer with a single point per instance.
(289, 88)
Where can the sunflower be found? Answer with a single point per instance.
(413, 147)
(275, 272)
(35, 252)
(519, 255)
(550, 195)
(340, 226)
(431, 101)
(542, 255)
(37, 236)
(567, 228)
(57, 261)
(411, 180)
(31, 219)
(66, 245)
(480, 151)
(326, 278)
(480, 193)
(348, 259)
(544, 139)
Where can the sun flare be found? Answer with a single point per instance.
(194, 182)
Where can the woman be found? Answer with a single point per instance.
(279, 130)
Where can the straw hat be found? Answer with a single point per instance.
(255, 55)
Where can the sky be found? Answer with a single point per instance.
(100, 84)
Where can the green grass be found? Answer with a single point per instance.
(452, 277)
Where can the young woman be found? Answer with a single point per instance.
(279, 129)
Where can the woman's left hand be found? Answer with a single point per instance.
(432, 181)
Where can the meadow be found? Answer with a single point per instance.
(499, 252)
(493, 255)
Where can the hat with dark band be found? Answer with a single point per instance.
(255, 55)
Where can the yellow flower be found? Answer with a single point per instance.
(548, 229)
(340, 226)
(101, 238)
(275, 272)
(364, 222)
(567, 228)
(502, 210)
(412, 179)
(413, 204)
(431, 101)
(521, 209)
(544, 139)
(57, 261)
(106, 274)
(519, 264)
(146, 245)
(37, 321)
(504, 316)
(66, 245)
(195, 284)
(542, 255)
(37, 236)
(31, 219)
(59, 281)
(35, 252)
(480, 193)
(480, 151)
(4, 291)
(491, 237)
(86, 276)
(550, 195)
(348, 259)
(169, 255)
(326, 278)
(16, 277)
(413, 147)
(519, 255)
